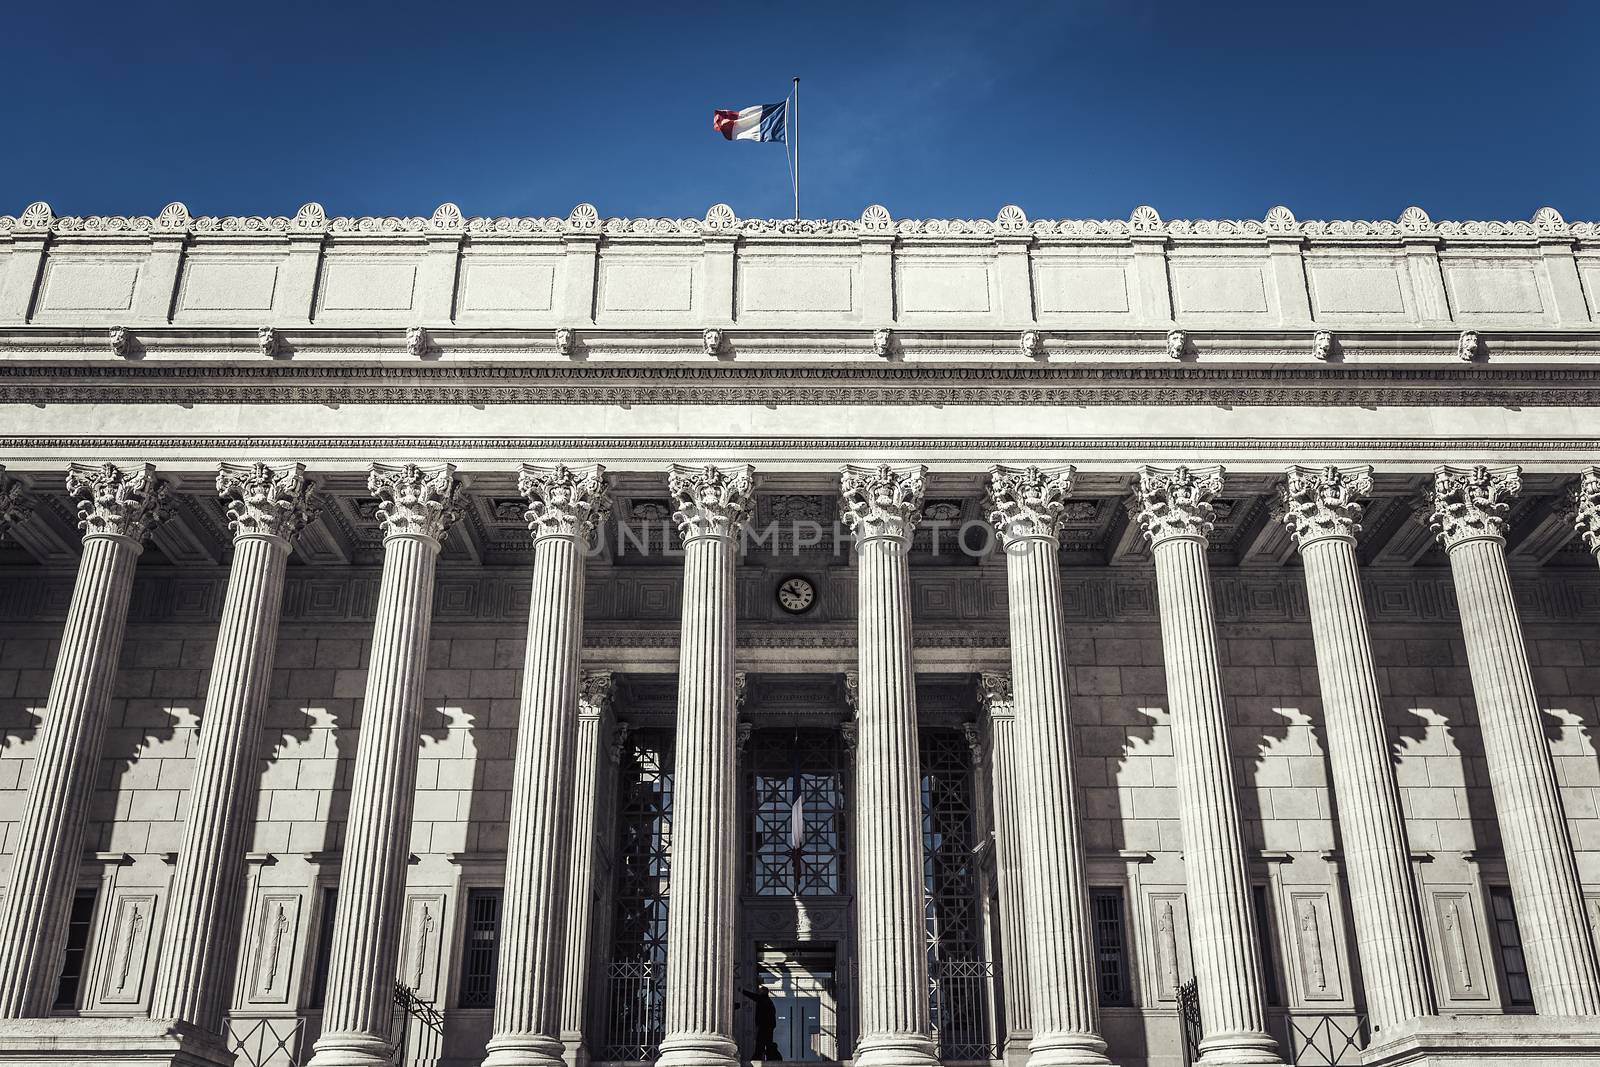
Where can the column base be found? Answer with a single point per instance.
(122, 1042)
(1014, 1051)
(574, 1052)
(697, 1050)
(1245, 1049)
(349, 1049)
(1474, 1040)
(1068, 1050)
(896, 1050)
(524, 1050)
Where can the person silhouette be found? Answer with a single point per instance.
(765, 1048)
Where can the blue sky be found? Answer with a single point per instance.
(1071, 109)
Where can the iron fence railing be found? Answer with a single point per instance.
(1335, 1039)
(265, 1042)
(635, 1022)
(409, 1009)
(1189, 1020)
(960, 995)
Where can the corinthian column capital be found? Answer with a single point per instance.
(416, 500)
(994, 693)
(595, 690)
(1585, 497)
(15, 506)
(1176, 501)
(1321, 502)
(1471, 503)
(266, 501)
(564, 501)
(113, 502)
(1026, 502)
(882, 501)
(711, 501)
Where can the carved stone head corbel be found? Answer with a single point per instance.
(712, 339)
(1032, 343)
(566, 341)
(120, 341)
(268, 341)
(1322, 345)
(1177, 344)
(416, 341)
(883, 342)
(1470, 346)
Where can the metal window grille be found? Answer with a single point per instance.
(318, 993)
(80, 921)
(1192, 1025)
(636, 995)
(1508, 939)
(480, 956)
(796, 777)
(1264, 946)
(1110, 946)
(961, 981)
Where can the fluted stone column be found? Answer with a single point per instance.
(712, 505)
(881, 506)
(117, 509)
(416, 506)
(1025, 505)
(564, 504)
(1469, 506)
(994, 693)
(594, 735)
(266, 506)
(1175, 514)
(1322, 510)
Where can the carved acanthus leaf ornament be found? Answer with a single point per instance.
(416, 500)
(266, 501)
(564, 501)
(595, 691)
(882, 501)
(1177, 502)
(1586, 508)
(1471, 503)
(1026, 502)
(994, 693)
(1323, 502)
(711, 501)
(15, 506)
(117, 503)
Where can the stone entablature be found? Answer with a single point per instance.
(610, 288)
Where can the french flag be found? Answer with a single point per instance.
(763, 122)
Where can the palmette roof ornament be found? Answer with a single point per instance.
(876, 221)
(1027, 502)
(994, 693)
(719, 219)
(113, 502)
(15, 505)
(1471, 503)
(882, 501)
(711, 501)
(1321, 502)
(1011, 222)
(564, 501)
(1176, 502)
(596, 690)
(1585, 500)
(416, 500)
(446, 219)
(264, 500)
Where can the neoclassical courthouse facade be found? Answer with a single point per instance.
(452, 640)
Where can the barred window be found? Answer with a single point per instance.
(318, 993)
(797, 813)
(1508, 939)
(1110, 947)
(79, 923)
(480, 955)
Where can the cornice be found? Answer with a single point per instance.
(1316, 385)
(720, 222)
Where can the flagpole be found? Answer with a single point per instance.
(794, 133)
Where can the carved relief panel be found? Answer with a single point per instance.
(131, 926)
(1167, 922)
(1458, 947)
(1315, 938)
(274, 933)
(419, 951)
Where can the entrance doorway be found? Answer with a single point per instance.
(800, 980)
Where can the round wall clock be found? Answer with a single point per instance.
(796, 594)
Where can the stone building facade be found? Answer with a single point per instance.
(534, 640)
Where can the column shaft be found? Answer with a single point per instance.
(586, 806)
(1372, 831)
(201, 941)
(1556, 938)
(50, 838)
(1014, 915)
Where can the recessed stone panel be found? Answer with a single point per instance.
(368, 285)
(1485, 289)
(227, 285)
(1205, 288)
(944, 287)
(89, 286)
(651, 285)
(502, 285)
(798, 286)
(1373, 290)
(1073, 289)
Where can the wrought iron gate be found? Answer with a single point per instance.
(1189, 1020)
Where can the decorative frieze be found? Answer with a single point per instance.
(1324, 501)
(264, 500)
(1176, 502)
(1471, 502)
(113, 502)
